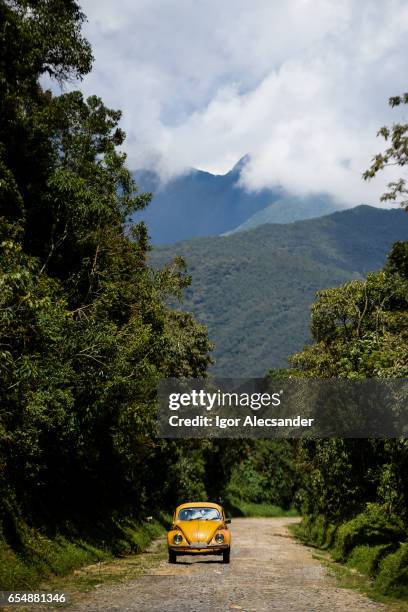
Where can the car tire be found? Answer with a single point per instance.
(226, 556)
(172, 556)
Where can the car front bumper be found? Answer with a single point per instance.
(195, 549)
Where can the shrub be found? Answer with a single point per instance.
(392, 578)
(367, 558)
(316, 530)
(371, 527)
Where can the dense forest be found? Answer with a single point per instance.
(354, 491)
(86, 332)
(253, 290)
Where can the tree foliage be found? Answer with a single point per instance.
(85, 329)
(361, 328)
(360, 331)
(395, 154)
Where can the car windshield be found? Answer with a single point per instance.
(192, 514)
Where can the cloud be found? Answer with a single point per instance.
(300, 85)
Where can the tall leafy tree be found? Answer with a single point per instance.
(85, 329)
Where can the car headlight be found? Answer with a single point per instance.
(177, 539)
(219, 538)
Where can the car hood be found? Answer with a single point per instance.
(199, 530)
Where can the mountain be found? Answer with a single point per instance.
(290, 208)
(253, 289)
(202, 204)
(198, 204)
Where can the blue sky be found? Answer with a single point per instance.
(300, 85)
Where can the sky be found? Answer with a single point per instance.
(302, 86)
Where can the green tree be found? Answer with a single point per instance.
(85, 327)
(396, 154)
(360, 330)
(36, 38)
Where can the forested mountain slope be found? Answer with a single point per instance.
(253, 289)
(291, 208)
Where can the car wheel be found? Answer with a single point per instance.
(226, 556)
(172, 556)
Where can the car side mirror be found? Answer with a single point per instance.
(227, 521)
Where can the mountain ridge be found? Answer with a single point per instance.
(199, 203)
(289, 209)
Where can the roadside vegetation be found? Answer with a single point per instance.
(265, 481)
(41, 556)
(251, 509)
(354, 493)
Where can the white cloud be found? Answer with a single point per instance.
(301, 85)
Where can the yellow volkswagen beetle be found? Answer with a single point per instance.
(199, 528)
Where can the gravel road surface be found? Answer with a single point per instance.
(268, 571)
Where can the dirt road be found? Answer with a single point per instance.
(268, 571)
